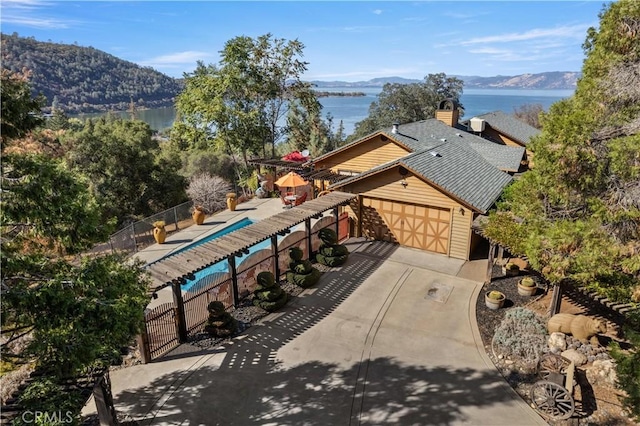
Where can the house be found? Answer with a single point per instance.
(502, 128)
(422, 184)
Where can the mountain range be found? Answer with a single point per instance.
(546, 80)
(81, 79)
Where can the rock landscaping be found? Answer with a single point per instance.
(597, 399)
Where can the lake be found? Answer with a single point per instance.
(354, 109)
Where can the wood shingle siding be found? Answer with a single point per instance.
(364, 156)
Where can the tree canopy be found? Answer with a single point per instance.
(124, 167)
(406, 103)
(61, 314)
(576, 215)
(20, 111)
(83, 79)
(238, 105)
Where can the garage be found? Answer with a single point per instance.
(412, 225)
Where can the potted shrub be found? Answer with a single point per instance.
(159, 233)
(232, 200)
(494, 299)
(511, 269)
(198, 215)
(527, 287)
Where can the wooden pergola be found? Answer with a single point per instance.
(177, 268)
(282, 164)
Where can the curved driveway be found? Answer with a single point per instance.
(389, 338)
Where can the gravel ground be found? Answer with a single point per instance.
(247, 315)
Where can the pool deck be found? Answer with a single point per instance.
(256, 209)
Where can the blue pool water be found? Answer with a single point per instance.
(223, 265)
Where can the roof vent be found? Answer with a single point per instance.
(394, 129)
(435, 154)
(477, 124)
(443, 140)
(459, 135)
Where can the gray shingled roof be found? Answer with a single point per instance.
(456, 168)
(426, 134)
(510, 126)
(506, 158)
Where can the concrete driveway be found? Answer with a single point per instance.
(389, 338)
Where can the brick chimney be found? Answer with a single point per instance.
(447, 112)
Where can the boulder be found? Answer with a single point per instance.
(575, 356)
(602, 372)
(557, 342)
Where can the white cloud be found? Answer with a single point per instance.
(175, 59)
(377, 12)
(40, 23)
(23, 12)
(23, 4)
(571, 31)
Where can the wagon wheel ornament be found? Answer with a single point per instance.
(552, 400)
(551, 363)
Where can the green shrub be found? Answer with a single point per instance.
(265, 279)
(528, 282)
(295, 253)
(334, 250)
(495, 295)
(331, 260)
(521, 336)
(303, 267)
(328, 236)
(304, 280)
(268, 294)
(628, 364)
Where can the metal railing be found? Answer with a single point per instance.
(139, 234)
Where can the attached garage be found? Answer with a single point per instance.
(421, 184)
(413, 225)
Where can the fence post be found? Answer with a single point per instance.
(234, 279)
(143, 345)
(276, 263)
(181, 320)
(492, 253)
(133, 235)
(360, 216)
(337, 216)
(307, 224)
(175, 217)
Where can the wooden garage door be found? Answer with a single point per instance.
(412, 225)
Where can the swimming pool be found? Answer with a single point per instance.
(223, 265)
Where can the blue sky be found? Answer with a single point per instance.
(348, 41)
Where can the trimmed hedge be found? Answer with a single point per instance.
(268, 294)
(220, 322)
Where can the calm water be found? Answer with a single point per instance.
(354, 109)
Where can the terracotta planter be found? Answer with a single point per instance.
(198, 216)
(160, 234)
(524, 290)
(492, 303)
(232, 201)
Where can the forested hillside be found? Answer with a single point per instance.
(84, 79)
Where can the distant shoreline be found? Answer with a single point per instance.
(327, 94)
